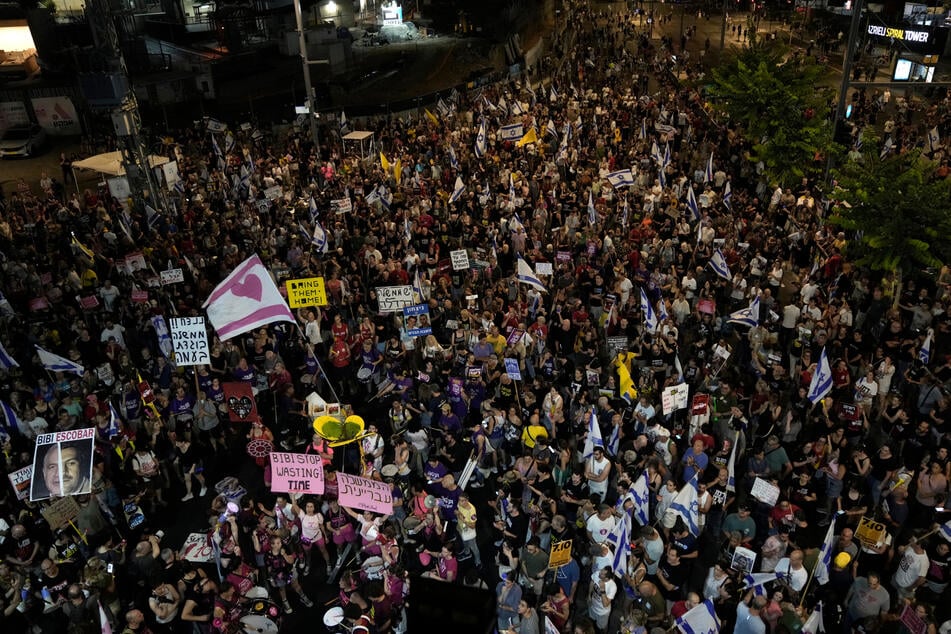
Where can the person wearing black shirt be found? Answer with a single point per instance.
(672, 574)
(573, 494)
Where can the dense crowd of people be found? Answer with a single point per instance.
(874, 447)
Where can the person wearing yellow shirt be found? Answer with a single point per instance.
(496, 340)
(90, 279)
(466, 525)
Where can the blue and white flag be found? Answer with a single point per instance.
(719, 265)
(320, 239)
(511, 132)
(56, 363)
(344, 124)
(685, 505)
(620, 538)
(728, 196)
(640, 492)
(114, 429)
(458, 190)
(662, 177)
(621, 178)
(934, 139)
(624, 214)
(418, 288)
(692, 205)
(592, 212)
(650, 318)
(7, 362)
(614, 440)
(163, 336)
(748, 316)
(824, 561)
(552, 95)
(642, 135)
(551, 130)
(944, 531)
(453, 161)
(702, 619)
(229, 142)
(594, 436)
(244, 178)
(512, 192)
(924, 354)
(708, 173)
(516, 108)
(757, 580)
(214, 145)
(11, 422)
(886, 147)
(814, 624)
(731, 467)
(214, 125)
(526, 275)
(480, 143)
(655, 153)
(821, 379)
(442, 108)
(662, 315)
(666, 160)
(312, 208)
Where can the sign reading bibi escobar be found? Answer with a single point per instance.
(62, 464)
(365, 494)
(296, 473)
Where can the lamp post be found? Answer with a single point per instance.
(310, 101)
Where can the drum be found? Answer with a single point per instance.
(257, 624)
(411, 526)
(260, 448)
(364, 374)
(264, 607)
(389, 471)
(333, 617)
(373, 568)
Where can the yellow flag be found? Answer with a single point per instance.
(530, 137)
(82, 247)
(432, 117)
(384, 163)
(626, 383)
(398, 171)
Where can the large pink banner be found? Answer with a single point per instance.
(296, 473)
(364, 494)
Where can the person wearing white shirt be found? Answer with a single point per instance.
(793, 572)
(600, 525)
(603, 591)
(912, 570)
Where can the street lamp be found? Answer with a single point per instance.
(311, 101)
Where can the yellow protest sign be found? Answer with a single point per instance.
(308, 291)
(870, 532)
(560, 554)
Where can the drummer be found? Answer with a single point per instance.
(227, 608)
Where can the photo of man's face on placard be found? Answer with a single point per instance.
(62, 469)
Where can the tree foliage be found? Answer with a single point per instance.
(778, 102)
(900, 212)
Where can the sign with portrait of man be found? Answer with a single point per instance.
(62, 464)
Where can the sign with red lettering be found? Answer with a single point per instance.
(296, 473)
(197, 548)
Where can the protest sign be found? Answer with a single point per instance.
(544, 268)
(416, 320)
(63, 463)
(171, 276)
(197, 548)
(765, 492)
(20, 479)
(460, 259)
(140, 296)
(273, 193)
(240, 400)
(870, 532)
(512, 369)
(514, 337)
(189, 340)
(308, 291)
(393, 299)
(61, 512)
(560, 554)
(674, 397)
(296, 473)
(341, 206)
(364, 494)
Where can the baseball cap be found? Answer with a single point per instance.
(842, 560)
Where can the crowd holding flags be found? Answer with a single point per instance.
(748, 316)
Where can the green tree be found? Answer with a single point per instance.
(900, 211)
(778, 102)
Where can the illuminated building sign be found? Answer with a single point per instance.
(905, 35)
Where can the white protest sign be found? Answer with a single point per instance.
(393, 299)
(172, 276)
(273, 193)
(460, 260)
(765, 492)
(341, 206)
(197, 548)
(674, 397)
(20, 479)
(543, 268)
(189, 340)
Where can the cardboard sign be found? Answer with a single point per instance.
(563, 256)
(393, 299)
(460, 259)
(911, 620)
(89, 302)
(309, 291)
(765, 492)
(341, 206)
(707, 306)
(240, 401)
(197, 548)
(870, 532)
(544, 268)
(62, 462)
(61, 512)
(296, 473)
(20, 480)
(674, 397)
(514, 337)
(38, 303)
(560, 554)
(139, 296)
(416, 320)
(364, 494)
(617, 344)
(189, 340)
(171, 276)
(273, 193)
(512, 369)
(700, 404)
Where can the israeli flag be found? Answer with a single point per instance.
(551, 130)
(757, 580)
(640, 491)
(344, 124)
(214, 125)
(924, 354)
(526, 275)
(719, 265)
(731, 467)
(56, 363)
(655, 153)
(229, 142)
(372, 197)
(708, 173)
(662, 177)
(312, 209)
(7, 362)
(748, 316)
(458, 190)
(442, 108)
(685, 505)
(214, 145)
(113, 429)
(11, 421)
(163, 336)
(621, 178)
(702, 619)
(643, 133)
(512, 192)
(666, 160)
(824, 562)
(594, 436)
(480, 143)
(488, 104)
(886, 147)
(821, 380)
(692, 204)
(453, 161)
(592, 212)
(944, 531)
(814, 624)
(614, 441)
(728, 196)
(934, 139)
(418, 288)
(320, 238)
(662, 310)
(511, 132)
(516, 108)
(620, 538)
(552, 95)
(624, 214)
(650, 318)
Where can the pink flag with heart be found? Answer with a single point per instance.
(245, 300)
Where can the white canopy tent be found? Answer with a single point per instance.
(110, 163)
(361, 137)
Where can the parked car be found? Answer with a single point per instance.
(22, 141)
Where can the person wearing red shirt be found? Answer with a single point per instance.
(447, 568)
(339, 329)
(783, 514)
(682, 607)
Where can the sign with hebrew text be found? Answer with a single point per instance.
(364, 494)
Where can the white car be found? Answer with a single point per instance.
(22, 141)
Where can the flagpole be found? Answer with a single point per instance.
(320, 366)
